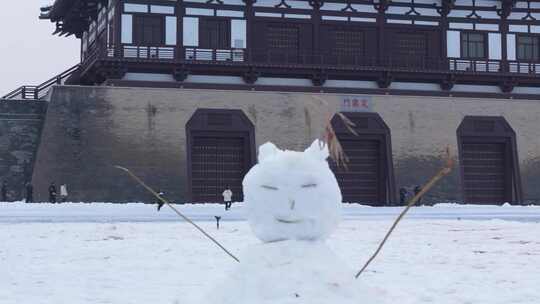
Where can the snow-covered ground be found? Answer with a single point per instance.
(105, 253)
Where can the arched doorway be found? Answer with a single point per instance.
(220, 151)
(488, 160)
(369, 175)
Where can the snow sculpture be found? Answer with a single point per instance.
(293, 203)
(292, 195)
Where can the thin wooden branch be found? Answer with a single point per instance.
(329, 135)
(443, 172)
(166, 202)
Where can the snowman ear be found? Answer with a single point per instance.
(318, 149)
(267, 150)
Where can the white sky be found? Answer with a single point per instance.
(29, 54)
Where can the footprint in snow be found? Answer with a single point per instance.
(113, 237)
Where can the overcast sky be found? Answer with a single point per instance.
(29, 54)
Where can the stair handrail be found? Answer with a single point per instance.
(58, 79)
(13, 93)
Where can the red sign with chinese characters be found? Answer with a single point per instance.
(356, 104)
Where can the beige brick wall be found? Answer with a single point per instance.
(144, 128)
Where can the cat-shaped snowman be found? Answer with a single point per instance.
(293, 203)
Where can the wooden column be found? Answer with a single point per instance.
(503, 29)
(180, 13)
(118, 10)
(381, 7)
(249, 13)
(316, 22)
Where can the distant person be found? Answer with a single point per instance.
(52, 193)
(417, 190)
(4, 192)
(29, 192)
(63, 193)
(227, 197)
(159, 202)
(403, 195)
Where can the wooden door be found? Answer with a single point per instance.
(486, 172)
(362, 181)
(217, 163)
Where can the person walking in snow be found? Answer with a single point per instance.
(29, 192)
(52, 193)
(63, 193)
(4, 192)
(160, 204)
(417, 190)
(403, 195)
(227, 197)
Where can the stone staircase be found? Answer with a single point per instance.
(20, 131)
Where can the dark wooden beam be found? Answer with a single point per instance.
(446, 7)
(506, 8)
(382, 6)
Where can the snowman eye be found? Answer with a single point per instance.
(269, 187)
(312, 185)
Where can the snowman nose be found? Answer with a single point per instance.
(292, 203)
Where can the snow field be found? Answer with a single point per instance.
(94, 254)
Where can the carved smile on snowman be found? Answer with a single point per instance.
(310, 185)
(288, 220)
(292, 205)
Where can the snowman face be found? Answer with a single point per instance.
(292, 195)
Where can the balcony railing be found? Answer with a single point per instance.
(524, 67)
(340, 61)
(148, 52)
(466, 65)
(195, 54)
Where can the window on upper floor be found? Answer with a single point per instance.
(473, 45)
(408, 45)
(408, 49)
(283, 41)
(527, 48)
(348, 41)
(283, 37)
(347, 45)
(215, 34)
(149, 30)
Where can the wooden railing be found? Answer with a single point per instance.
(140, 52)
(524, 67)
(149, 52)
(39, 91)
(323, 60)
(281, 59)
(273, 58)
(353, 61)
